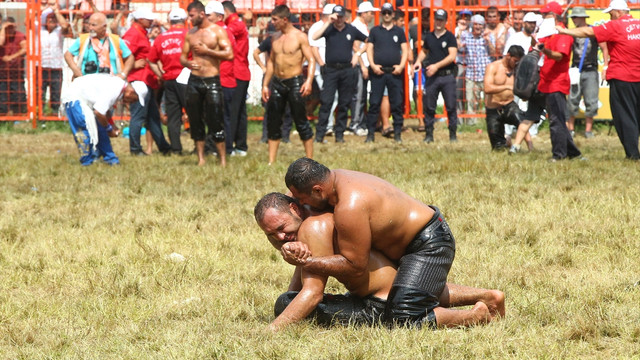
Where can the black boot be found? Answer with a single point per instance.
(370, 137)
(452, 136)
(428, 138)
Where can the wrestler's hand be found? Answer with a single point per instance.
(295, 253)
(306, 88)
(265, 93)
(199, 49)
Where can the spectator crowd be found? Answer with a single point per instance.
(354, 70)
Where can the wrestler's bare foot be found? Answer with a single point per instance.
(494, 299)
(201, 162)
(482, 314)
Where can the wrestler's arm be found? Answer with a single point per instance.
(581, 32)
(267, 76)
(224, 52)
(186, 48)
(296, 280)
(314, 233)
(353, 245)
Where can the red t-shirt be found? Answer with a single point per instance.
(137, 41)
(12, 46)
(554, 75)
(167, 48)
(623, 41)
(241, 50)
(227, 77)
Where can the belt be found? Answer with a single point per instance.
(387, 69)
(444, 72)
(339, 66)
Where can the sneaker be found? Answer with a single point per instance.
(329, 132)
(320, 141)
(428, 139)
(573, 133)
(514, 149)
(348, 132)
(362, 132)
(240, 153)
(588, 134)
(397, 138)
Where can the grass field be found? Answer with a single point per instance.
(86, 271)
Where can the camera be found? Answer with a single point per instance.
(90, 67)
(104, 70)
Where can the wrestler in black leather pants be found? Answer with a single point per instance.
(283, 91)
(204, 107)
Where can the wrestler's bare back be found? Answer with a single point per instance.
(206, 65)
(497, 73)
(394, 218)
(286, 53)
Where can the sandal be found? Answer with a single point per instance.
(387, 132)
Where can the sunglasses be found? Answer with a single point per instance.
(386, 12)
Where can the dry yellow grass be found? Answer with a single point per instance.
(86, 274)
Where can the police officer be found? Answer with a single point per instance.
(387, 51)
(441, 47)
(339, 71)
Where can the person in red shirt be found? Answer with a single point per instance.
(622, 35)
(13, 48)
(554, 87)
(215, 11)
(164, 59)
(238, 131)
(138, 42)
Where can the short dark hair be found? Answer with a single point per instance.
(492, 9)
(304, 173)
(516, 51)
(195, 5)
(274, 200)
(281, 11)
(397, 14)
(229, 6)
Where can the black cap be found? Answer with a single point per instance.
(440, 15)
(339, 10)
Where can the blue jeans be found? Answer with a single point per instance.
(148, 113)
(78, 125)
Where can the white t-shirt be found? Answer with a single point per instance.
(519, 38)
(52, 52)
(358, 24)
(321, 44)
(98, 91)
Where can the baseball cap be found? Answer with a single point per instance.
(578, 12)
(141, 89)
(477, 19)
(214, 7)
(387, 7)
(440, 15)
(144, 13)
(552, 7)
(328, 9)
(465, 12)
(338, 10)
(530, 17)
(616, 5)
(366, 6)
(177, 14)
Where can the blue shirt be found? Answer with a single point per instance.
(91, 55)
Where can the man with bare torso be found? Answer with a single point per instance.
(284, 221)
(499, 103)
(370, 213)
(208, 44)
(289, 49)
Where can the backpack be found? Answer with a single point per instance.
(527, 76)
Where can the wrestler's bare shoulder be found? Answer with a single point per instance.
(320, 225)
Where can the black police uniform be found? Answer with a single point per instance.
(338, 74)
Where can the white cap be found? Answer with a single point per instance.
(328, 9)
(530, 17)
(144, 13)
(141, 89)
(177, 14)
(616, 5)
(477, 19)
(214, 7)
(366, 6)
